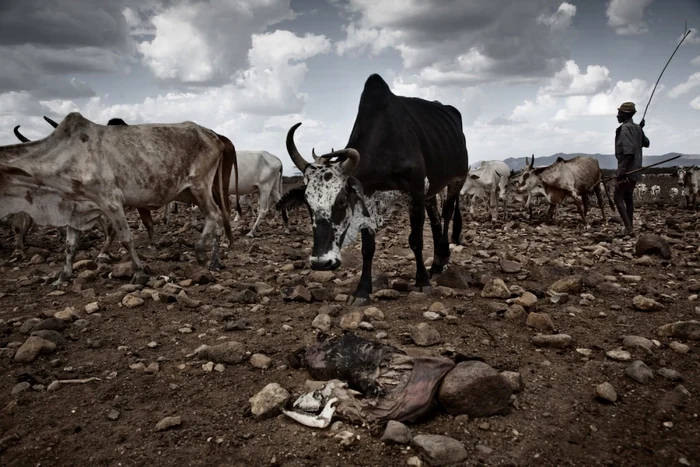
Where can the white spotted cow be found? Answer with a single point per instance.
(673, 193)
(83, 170)
(640, 191)
(655, 191)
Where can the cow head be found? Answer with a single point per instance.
(681, 176)
(335, 200)
(518, 180)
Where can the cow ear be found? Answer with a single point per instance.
(356, 196)
(292, 199)
(473, 176)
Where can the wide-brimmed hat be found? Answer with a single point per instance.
(627, 107)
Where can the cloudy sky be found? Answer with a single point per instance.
(529, 76)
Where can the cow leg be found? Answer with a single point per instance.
(263, 204)
(115, 212)
(166, 213)
(580, 208)
(442, 256)
(275, 197)
(72, 238)
(493, 205)
(212, 221)
(599, 195)
(431, 206)
(109, 238)
(147, 221)
(415, 240)
(551, 212)
(457, 224)
(21, 223)
(361, 295)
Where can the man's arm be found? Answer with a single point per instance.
(645, 140)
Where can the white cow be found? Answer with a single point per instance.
(517, 179)
(689, 181)
(655, 191)
(260, 172)
(489, 181)
(640, 191)
(84, 170)
(673, 192)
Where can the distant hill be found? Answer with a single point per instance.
(606, 161)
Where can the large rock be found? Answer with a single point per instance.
(652, 244)
(570, 285)
(396, 433)
(439, 450)
(642, 303)
(32, 348)
(638, 343)
(228, 352)
(269, 401)
(495, 288)
(557, 341)
(350, 321)
(540, 322)
(425, 335)
(321, 276)
(510, 267)
(455, 277)
(122, 271)
(475, 389)
(639, 372)
(681, 330)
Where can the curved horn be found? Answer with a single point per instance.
(20, 136)
(353, 158)
(292, 150)
(532, 161)
(313, 154)
(51, 122)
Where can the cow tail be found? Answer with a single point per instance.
(607, 193)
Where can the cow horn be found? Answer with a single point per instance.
(353, 158)
(20, 136)
(51, 122)
(313, 154)
(293, 152)
(532, 161)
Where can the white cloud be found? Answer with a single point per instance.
(530, 109)
(203, 42)
(627, 16)
(606, 103)
(684, 88)
(464, 43)
(571, 82)
(695, 61)
(693, 37)
(695, 103)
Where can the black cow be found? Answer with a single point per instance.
(397, 146)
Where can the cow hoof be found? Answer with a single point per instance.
(356, 302)
(140, 278)
(17, 254)
(286, 231)
(216, 266)
(250, 234)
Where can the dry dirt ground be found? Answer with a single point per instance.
(556, 420)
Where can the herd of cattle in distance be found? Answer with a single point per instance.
(402, 151)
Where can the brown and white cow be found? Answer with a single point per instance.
(83, 170)
(689, 181)
(574, 177)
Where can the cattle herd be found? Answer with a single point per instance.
(402, 152)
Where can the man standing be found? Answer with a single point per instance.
(629, 141)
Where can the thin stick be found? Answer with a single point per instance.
(78, 381)
(686, 34)
(641, 168)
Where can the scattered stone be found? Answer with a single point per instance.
(526, 300)
(268, 401)
(20, 387)
(346, 438)
(228, 352)
(514, 312)
(374, 314)
(122, 271)
(351, 320)
(557, 341)
(32, 348)
(152, 368)
(639, 372)
(606, 392)
(261, 361)
(51, 324)
(113, 415)
(681, 330)
(476, 389)
(54, 386)
(29, 325)
(184, 300)
(322, 322)
(387, 294)
(455, 277)
(92, 307)
(638, 342)
(299, 294)
(396, 433)
(514, 379)
(321, 276)
(53, 336)
(425, 335)
(432, 316)
(569, 285)
(132, 301)
(593, 279)
(652, 244)
(510, 267)
(540, 322)
(619, 355)
(168, 422)
(438, 450)
(669, 374)
(678, 347)
(495, 288)
(642, 303)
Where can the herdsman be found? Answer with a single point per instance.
(629, 141)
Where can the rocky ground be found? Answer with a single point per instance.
(107, 373)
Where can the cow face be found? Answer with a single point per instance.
(681, 176)
(335, 201)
